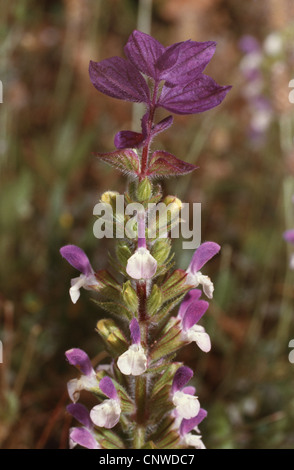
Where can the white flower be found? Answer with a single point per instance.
(106, 414)
(133, 361)
(82, 281)
(141, 265)
(198, 334)
(193, 440)
(85, 382)
(187, 406)
(199, 278)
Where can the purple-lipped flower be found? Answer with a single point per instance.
(187, 425)
(190, 312)
(79, 260)
(202, 255)
(107, 413)
(186, 404)
(87, 381)
(85, 435)
(141, 265)
(178, 83)
(134, 360)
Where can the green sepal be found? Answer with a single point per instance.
(165, 379)
(149, 445)
(155, 300)
(109, 440)
(175, 284)
(116, 308)
(165, 437)
(123, 252)
(161, 249)
(114, 339)
(170, 441)
(170, 340)
(144, 190)
(167, 308)
(130, 297)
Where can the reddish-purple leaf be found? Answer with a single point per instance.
(125, 160)
(118, 78)
(128, 139)
(165, 164)
(198, 96)
(192, 58)
(162, 125)
(144, 51)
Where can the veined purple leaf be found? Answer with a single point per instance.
(162, 125)
(125, 160)
(144, 51)
(198, 96)
(165, 164)
(118, 78)
(192, 58)
(128, 139)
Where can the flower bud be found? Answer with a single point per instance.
(109, 197)
(160, 250)
(154, 301)
(112, 335)
(130, 296)
(144, 190)
(173, 201)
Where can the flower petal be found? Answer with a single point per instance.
(198, 334)
(193, 313)
(83, 437)
(77, 258)
(133, 361)
(202, 255)
(106, 414)
(181, 378)
(192, 296)
(188, 425)
(81, 414)
(187, 406)
(118, 78)
(144, 51)
(141, 265)
(78, 358)
(108, 388)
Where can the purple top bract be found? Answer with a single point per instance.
(177, 70)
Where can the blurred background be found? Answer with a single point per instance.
(52, 120)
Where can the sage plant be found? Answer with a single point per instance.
(144, 400)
